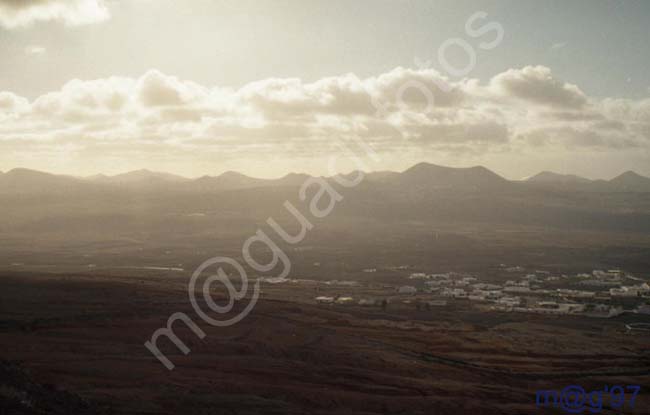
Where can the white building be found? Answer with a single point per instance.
(437, 303)
(345, 300)
(438, 283)
(486, 287)
(575, 293)
(454, 293)
(324, 300)
(631, 291)
(615, 275)
(509, 301)
(418, 276)
(407, 289)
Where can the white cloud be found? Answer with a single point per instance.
(11, 103)
(19, 13)
(536, 84)
(157, 115)
(156, 89)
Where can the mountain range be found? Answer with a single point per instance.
(420, 176)
(144, 202)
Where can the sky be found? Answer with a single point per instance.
(270, 87)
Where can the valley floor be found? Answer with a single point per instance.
(74, 344)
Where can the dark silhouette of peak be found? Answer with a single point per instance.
(292, 179)
(226, 181)
(21, 180)
(432, 175)
(630, 175)
(553, 178)
(631, 181)
(428, 169)
(231, 180)
(22, 172)
(418, 179)
(425, 168)
(235, 177)
(293, 176)
(144, 175)
(230, 174)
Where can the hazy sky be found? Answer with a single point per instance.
(265, 87)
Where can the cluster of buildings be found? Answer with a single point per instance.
(597, 294)
(630, 291)
(335, 300)
(540, 292)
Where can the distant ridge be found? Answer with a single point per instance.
(420, 176)
(20, 173)
(226, 181)
(435, 176)
(632, 181)
(424, 193)
(138, 176)
(551, 177)
(23, 181)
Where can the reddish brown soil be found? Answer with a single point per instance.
(84, 336)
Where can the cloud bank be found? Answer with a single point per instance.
(19, 13)
(158, 116)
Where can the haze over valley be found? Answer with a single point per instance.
(307, 207)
